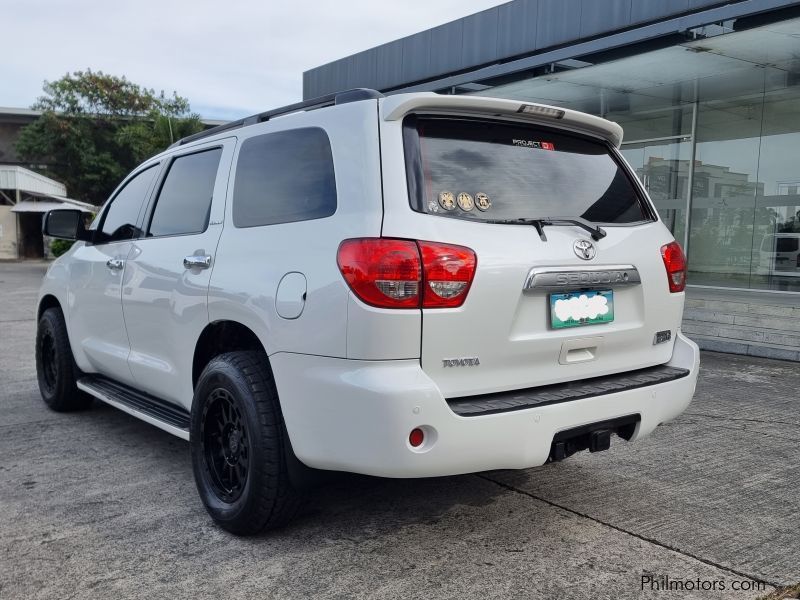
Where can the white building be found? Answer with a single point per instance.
(24, 197)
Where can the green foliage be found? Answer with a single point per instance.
(59, 247)
(95, 128)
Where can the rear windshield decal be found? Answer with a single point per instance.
(534, 144)
(447, 200)
(466, 202)
(482, 201)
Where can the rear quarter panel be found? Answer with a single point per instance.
(250, 262)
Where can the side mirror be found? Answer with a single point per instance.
(64, 224)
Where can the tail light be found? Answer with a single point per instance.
(675, 263)
(391, 273)
(448, 271)
(382, 272)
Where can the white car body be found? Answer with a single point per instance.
(354, 380)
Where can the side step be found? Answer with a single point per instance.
(165, 415)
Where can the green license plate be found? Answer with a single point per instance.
(581, 308)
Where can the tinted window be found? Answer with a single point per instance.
(787, 244)
(121, 218)
(184, 201)
(488, 170)
(284, 177)
(772, 243)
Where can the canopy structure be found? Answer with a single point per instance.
(55, 203)
(24, 197)
(26, 181)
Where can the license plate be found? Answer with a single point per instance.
(581, 308)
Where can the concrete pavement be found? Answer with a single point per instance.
(100, 505)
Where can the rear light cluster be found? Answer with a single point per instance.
(675, 263)
(393, 273)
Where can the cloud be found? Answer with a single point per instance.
(230, 59)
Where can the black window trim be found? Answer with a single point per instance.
(145, 202)
(411, 149)
(152, 202)
(235, 167)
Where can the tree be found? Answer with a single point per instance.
(95, 128)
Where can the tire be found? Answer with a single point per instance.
(239, 454)
(55, 366)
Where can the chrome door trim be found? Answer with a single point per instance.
(197, 261)
(569, 278)
(115, 264)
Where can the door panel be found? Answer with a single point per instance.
(164, 301)
(97, 272)
(96, 323)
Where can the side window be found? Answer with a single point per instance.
(122, 216)
(284, 177)
(184, 202)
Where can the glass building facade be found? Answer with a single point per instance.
(712, 128)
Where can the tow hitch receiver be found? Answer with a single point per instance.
(595, 437)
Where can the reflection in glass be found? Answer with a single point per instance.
(745, 199)
(723, 192)
(663, 168)
(722, 110)
(776, 256)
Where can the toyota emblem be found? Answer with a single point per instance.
(584, 249)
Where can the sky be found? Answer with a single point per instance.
(230, 59)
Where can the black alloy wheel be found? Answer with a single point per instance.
(56, 371)
(226, 445)
(239, 445)
(49, 362)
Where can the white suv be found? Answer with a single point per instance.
(404, 286)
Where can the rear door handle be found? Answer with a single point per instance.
(115, 264)
(195, 261)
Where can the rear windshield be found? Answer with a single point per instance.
(780, 244)
(485, 170)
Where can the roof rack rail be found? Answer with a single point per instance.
(345, 97)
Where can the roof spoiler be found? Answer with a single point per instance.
(397, 106)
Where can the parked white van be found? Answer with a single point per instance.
(779, 254)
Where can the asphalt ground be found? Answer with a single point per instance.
(100, 505)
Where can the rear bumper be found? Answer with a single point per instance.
(351, 415)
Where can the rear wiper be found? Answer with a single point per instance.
(597, 233)
(538, 223)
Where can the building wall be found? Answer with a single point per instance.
(8, 233)
(512, 30)
(9, 133)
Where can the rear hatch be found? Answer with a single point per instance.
(470, 180)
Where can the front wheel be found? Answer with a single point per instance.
(238, 450)
(55, 366)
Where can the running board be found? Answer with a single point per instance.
(164, 415)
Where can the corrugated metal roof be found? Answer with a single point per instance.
(19, 178)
